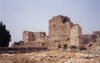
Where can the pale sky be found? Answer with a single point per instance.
(33, 15)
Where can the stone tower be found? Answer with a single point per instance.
(60, 26)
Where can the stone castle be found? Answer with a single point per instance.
(61, 31)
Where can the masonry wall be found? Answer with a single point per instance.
(60, 29)
(32, 36)
(55, 45)
(60, 26)
(39, 35)
(97, 34)
(75, 35)
(86, 38)
(28, 36)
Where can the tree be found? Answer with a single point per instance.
(5, 36)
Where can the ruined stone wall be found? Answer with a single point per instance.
(60, 26)
(55, 45)
(86, 38)
(30, 44)
(39, 35)
(31, 36)
(97, 34)
(28, 36)
(60, 29)
(75, 35)
(38, 44)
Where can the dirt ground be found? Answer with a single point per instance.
(53, 56)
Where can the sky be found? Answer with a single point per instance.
(33, 15)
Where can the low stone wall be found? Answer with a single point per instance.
(86, 38)
(97, 34)
(21, 50)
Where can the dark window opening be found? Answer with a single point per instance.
(59, 46)
(43, 35)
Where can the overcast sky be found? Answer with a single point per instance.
(33, 15)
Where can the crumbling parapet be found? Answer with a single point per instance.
(86, 38)
(27, 36)
(32, 36)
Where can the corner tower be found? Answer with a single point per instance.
(60, 26)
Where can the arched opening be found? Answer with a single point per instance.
(43, 35)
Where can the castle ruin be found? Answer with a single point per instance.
(61, 27)
(61, 32)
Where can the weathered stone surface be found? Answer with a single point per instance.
(60, 26)
(97, 34)
(55, 45)
(75, 35)
(31, 36)
(86, 38)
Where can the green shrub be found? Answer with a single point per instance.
(65, 46)
(94, 41)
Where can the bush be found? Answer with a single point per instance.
(94, 41)
(73, 47)
(5, 36)
(67, 39)
(65, 46)
(59, 46)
